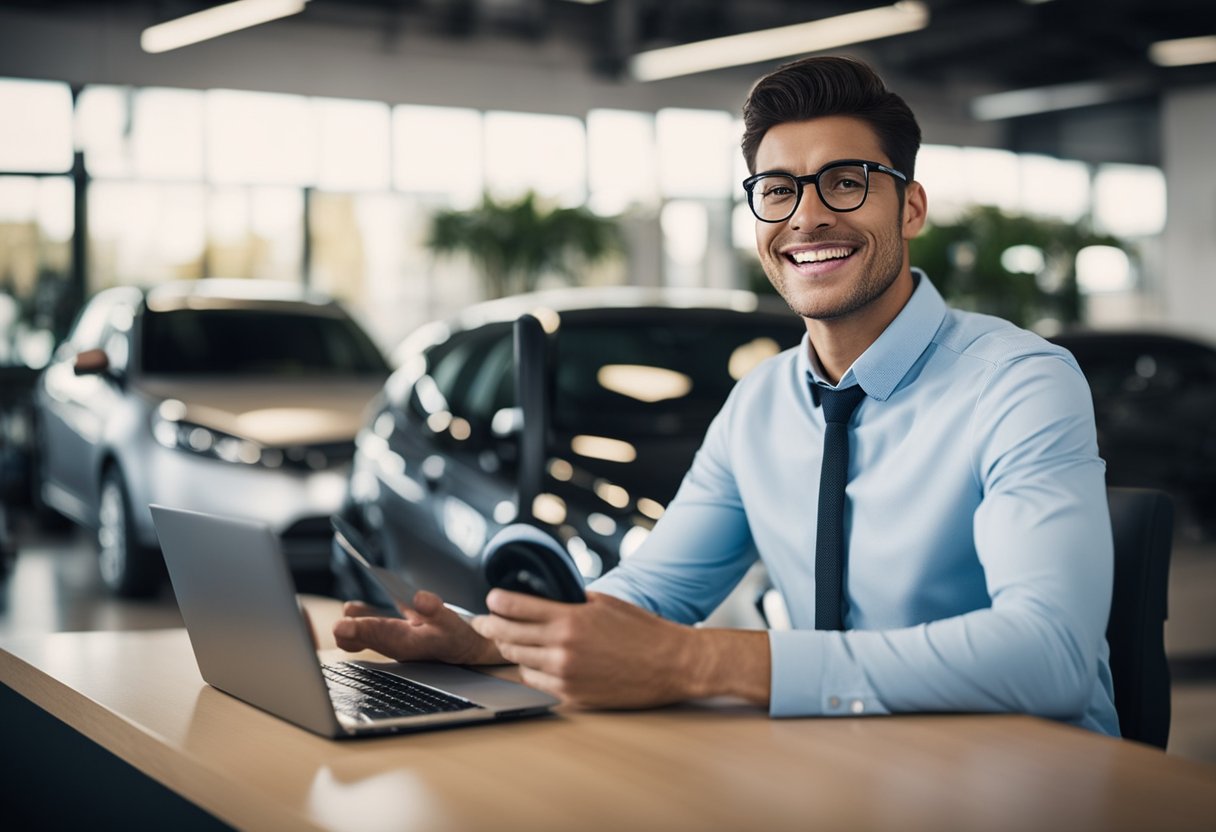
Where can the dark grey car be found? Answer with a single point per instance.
(624, 382)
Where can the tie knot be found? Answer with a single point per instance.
(838, 405)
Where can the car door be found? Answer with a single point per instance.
(456, 485)
(73, 409)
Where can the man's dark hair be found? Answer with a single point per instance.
(831, 86)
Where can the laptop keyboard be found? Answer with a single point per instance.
(359, 691)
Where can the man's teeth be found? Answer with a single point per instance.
(819, 255)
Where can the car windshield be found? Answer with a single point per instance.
(246, 342)
(667, 376)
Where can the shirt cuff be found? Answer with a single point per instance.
(814, 674)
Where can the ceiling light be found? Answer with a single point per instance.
(782, 42)
(1017, 103)
(215, 21)
(1184, 51)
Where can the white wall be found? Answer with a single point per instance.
(1189, 145)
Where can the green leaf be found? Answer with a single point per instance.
(514, 243)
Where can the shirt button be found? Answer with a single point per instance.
(857, 706)
(834, 702)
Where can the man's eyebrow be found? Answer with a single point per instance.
(773, 170)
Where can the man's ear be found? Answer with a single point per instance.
(916, 204)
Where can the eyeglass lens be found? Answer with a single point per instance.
(775, 197)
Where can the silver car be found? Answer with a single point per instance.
(234, 397)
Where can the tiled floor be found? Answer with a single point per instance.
(55, 586)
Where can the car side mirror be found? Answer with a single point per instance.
(91, 362)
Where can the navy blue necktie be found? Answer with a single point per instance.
(838, 407)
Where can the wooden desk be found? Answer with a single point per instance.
(697, 767)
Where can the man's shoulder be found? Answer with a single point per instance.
(994, 341)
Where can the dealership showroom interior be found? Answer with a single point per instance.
(373, 367)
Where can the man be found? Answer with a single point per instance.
(974, 531)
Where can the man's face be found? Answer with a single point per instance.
(849, 259)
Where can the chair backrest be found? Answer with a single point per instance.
(1142, 521)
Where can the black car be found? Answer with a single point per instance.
(619, 387)
(1155, 407)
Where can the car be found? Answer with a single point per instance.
(618, 388)
(1155, 406)
(16, 384)
(233, 397)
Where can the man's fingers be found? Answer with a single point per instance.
(519, 606)
(346, 634)
(541, 681)
(359, 633)
(428, 603)
(358, 609)
(504, 631)
(543, 659)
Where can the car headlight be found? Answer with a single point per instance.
(196, 439)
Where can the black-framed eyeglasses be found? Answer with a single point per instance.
(842, 186)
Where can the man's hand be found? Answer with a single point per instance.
(608, 653)
(428, 632)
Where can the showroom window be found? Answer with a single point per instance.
(696, 153)
(255, 232)
(338, 193)
(958, 178)
(260, 138)
(1056, 188)
(352, 144)
(36, 130)
(1129, 200)
(541, 153)
(104, 124)
(696, 173)
(36, 226)
(437, 151)
(145, 233)
(622, 163)
(167, 134)
(150, 133)
(36, 218)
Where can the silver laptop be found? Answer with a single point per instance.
(251, 640)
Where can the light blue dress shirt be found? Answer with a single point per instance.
(979, 556)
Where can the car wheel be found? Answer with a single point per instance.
(127, 568)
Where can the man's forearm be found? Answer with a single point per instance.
(730, 663)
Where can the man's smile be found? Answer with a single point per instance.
(821, 257)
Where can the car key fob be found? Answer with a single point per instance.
(522, 558)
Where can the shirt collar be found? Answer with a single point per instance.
(885, 362)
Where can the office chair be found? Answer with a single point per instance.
(1142, 521)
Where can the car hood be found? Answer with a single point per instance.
(272, 412)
